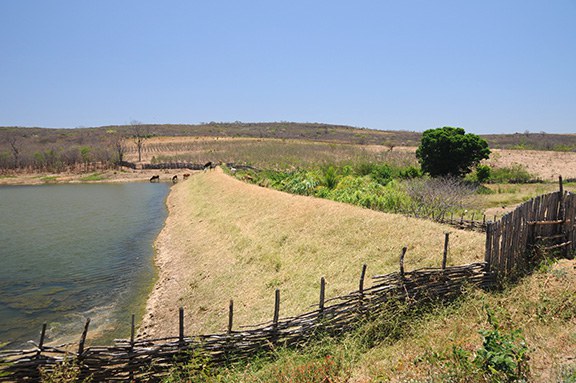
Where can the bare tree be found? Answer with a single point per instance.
(140, 134)
(15, 143)
(118, 144)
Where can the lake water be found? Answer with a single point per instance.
(71, 252)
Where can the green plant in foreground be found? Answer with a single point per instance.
(66, 371)
(195, 367)
(503, 358)
(568, 374)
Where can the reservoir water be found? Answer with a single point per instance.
(76, 251)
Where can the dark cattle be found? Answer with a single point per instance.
(208, 165)
(186, 175)
(155, 179)
(174, 179)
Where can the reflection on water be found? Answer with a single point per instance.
(69, 252)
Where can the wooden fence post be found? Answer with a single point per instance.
(489, 239)
(83, 338)
(132, 332)
(131, 359)
(230, 316)
(361, 285)
(41, 343)
(181, 325)
(402, 261)
(276, 308)
(322, 295)
(445, 254)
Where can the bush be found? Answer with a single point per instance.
(483, 173)
(514, 174)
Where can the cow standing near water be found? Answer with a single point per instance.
(185, 176)
(155, 179)
(175, 179)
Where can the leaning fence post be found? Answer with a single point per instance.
(41, 343)
(445, 254)
(402, 261)
(361, 285)
(83, 338)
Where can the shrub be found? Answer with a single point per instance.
(437, 196)
(483, 173)
(513, 174)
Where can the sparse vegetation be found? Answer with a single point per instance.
(513, 174)
(511, 336)
(93, 177)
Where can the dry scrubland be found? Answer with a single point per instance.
(226, 239)
(283, 153)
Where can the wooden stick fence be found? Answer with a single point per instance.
(510, 245)
(534, 229)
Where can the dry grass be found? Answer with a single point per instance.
(265, 152)
(546, 165)
(227, 239)
(542, 306)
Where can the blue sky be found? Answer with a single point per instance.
(487, 66)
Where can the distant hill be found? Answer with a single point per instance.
(287, 130)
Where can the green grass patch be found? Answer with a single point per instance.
(94, 177)
(49, 179)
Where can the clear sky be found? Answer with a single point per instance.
(489, 66)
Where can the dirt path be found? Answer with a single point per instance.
(225, 239)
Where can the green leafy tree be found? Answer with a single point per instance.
(450, 151)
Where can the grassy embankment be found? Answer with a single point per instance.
(227, 239)
(249, 240)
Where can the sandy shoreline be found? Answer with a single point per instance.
(108, 176)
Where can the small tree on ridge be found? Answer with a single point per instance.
(450, 151)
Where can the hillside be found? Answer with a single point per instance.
(226, 239)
